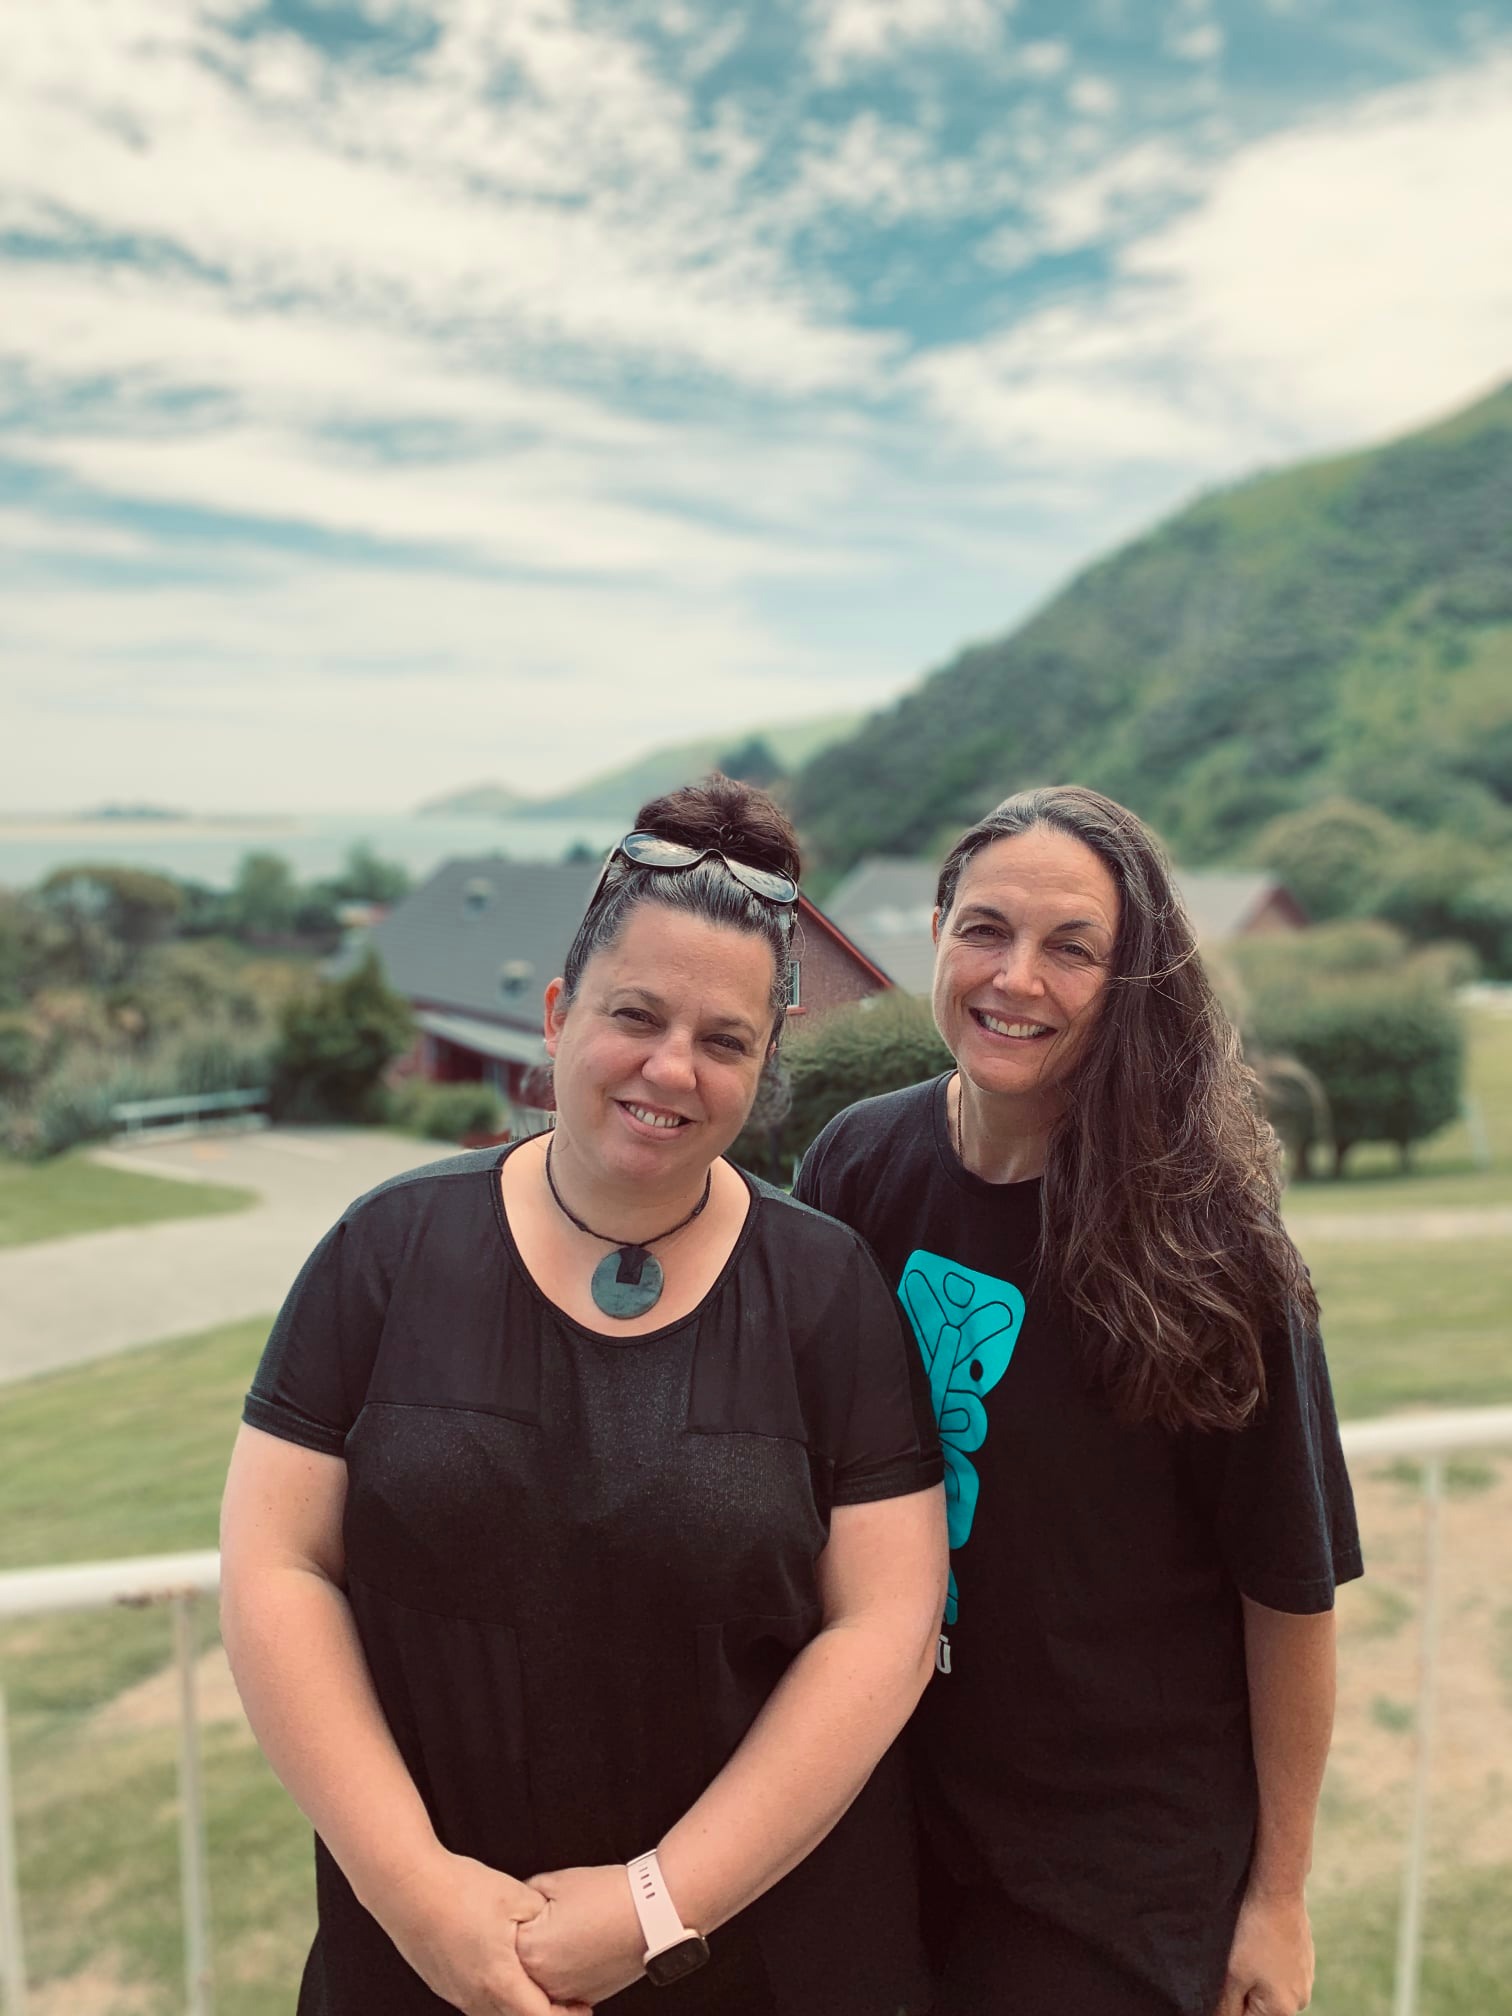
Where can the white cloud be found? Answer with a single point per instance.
(1093, 97)
(1334, 282)
(886, 172)
(856, 33)
(1043, 58)
(577, 216)
(1201, 42)
(32, 535)
(445, 675)
(1118, 194)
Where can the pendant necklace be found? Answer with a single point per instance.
(628, 1281)
(960, 1120)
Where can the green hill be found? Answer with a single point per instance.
(1342, 628)
(618, 793)
(480, 801)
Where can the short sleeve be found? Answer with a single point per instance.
(808, 1184)
(313, 1377)
(1283, 1509)
(889, 1445)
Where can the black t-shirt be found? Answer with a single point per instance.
(1085, 1745)
(579, 1564)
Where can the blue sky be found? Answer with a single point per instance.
(395, 393)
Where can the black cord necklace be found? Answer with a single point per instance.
(628, 1281)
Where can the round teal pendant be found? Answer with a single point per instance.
(627, 1282)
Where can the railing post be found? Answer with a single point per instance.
(12, 1954)
(196, 1886)
(1410, 1923)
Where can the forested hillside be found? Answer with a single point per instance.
(1343, 629)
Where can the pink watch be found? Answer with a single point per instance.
(672, 1949)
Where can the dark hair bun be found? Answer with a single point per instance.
(739, 819)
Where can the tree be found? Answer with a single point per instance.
(1447, 887)
(112, 915)
(335, 1044)
(1334, 856)
(752, 761)
(1390, 1058)
(264, 900)
(366, 877)
(33, 947)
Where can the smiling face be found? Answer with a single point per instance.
(1022, 961)
(659, 1052)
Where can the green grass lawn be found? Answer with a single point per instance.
(125, 1456)
(1467, 1947)
(1415, 1324)
(51, 1200)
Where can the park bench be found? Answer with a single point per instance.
(188, 1109)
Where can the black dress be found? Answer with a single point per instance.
(579, 1564)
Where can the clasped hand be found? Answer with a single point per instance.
(493, 1946)
(1270, 1969)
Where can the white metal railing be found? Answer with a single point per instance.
(1434, 1438)
(183, 1580)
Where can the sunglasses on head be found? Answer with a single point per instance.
(649, 850)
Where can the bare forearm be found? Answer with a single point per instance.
(807, 1755)
(299, 1665)
(1290, 1662)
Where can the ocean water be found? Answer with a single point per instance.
(313, 846)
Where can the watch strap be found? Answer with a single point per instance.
(660, 1921)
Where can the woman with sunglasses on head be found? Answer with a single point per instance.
(1119, 1764)
(584, 1548)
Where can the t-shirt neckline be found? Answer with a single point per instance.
(1025, 1191)
(560, 1315)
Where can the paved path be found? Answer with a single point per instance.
(65, 1301)
(1432, 1223)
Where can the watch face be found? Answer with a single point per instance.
(675, 1961)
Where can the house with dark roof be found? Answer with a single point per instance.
(472, 948)
(886, 904)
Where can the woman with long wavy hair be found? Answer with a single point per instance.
(1119, 1760)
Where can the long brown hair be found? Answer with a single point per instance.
(1161, 1215)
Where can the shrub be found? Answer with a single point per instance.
(335, 1044)
(1286, 960)
(23, 1054)
(75, 1102)
(65, 1112)
(875, 1046)
(447, 1112)
(1390, 1058)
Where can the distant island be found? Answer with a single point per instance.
(135, 814)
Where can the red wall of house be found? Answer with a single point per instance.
(830, 977)
(1279, 912)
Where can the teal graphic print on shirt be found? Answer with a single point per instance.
(967, 1325)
